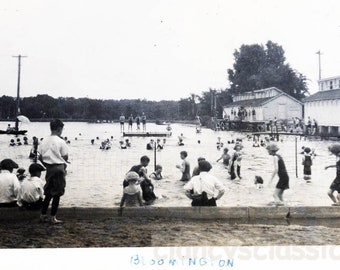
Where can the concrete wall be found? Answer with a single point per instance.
(212, 213)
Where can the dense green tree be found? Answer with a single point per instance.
(258, 67)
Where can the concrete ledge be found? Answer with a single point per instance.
(202, 213)
(315, 212)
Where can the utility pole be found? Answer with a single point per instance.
(319, 53)
(18, 92)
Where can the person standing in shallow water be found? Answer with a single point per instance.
(280, 170)
(54, 155)
(307, 162)
(184, 167)
(335, 186)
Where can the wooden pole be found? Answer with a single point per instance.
(296, 167)
(18, 93)
(155, 156)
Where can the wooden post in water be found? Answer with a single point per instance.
(154, 155)
(296, 167)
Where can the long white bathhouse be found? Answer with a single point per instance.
(324, 106)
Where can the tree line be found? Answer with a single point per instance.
(255, 67)
(44, 106)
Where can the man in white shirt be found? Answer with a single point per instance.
(32, 188)
(9, 183)
(204, 189)
(53, 152)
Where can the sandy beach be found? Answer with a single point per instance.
(162, 232)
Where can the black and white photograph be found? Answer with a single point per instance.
(169, 134)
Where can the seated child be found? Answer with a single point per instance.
(32, 188)
(9, 183)
(132, 193)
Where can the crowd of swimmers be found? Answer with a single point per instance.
(200, 186)
(204, 189)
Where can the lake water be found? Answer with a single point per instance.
(95, 176)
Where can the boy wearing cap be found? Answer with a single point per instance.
(32, 189)
(9, 184)
(280, 170)
(53, 152)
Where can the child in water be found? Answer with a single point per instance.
(280, 170)
(184, 167)
(335, 186)
(157, 174)
(132, 193)
(225, 156)
(307, 164)
(236, 163)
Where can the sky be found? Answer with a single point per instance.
(156, 49)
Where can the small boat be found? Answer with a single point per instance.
(13, 132)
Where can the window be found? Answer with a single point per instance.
(331, 85)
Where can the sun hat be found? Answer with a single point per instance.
(8, 164)
(130, 176)
(272, 147)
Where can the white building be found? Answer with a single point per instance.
(263, 105)
(324, 106)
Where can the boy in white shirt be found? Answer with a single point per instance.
(9, 183)
(32, 189)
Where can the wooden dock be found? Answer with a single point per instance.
(147, 134)
(277, 134)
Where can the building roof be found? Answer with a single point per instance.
(323, 95)
(250, 102)
(329, 78)
(259, 101)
